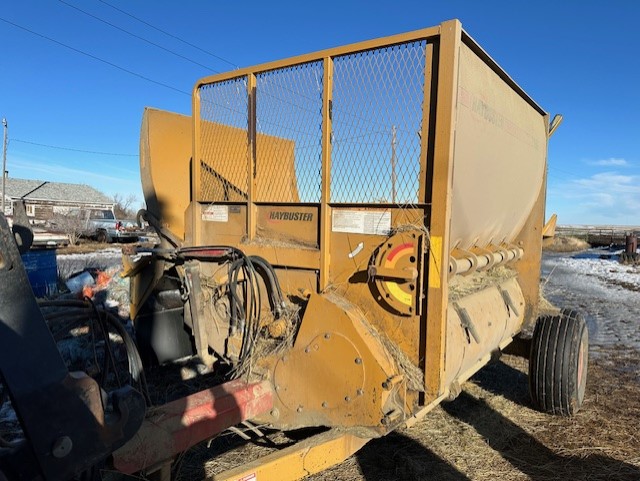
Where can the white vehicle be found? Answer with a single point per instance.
(102, 225)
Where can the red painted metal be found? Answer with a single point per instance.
(179, 425)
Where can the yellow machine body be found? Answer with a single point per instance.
(397, 186)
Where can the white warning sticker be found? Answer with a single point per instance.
(216, 213)
(361, 222)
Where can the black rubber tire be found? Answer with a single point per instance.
(101, 236)
(558, 363)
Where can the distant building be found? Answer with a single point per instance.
(45, 200)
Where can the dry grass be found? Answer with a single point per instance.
(85, 247)
(565, 244)
(490, 433)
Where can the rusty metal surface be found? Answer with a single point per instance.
(175, 427)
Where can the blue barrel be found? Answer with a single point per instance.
(42, 270)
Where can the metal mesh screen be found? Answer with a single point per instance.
(289, 125)
(377, 117)
(224, 140)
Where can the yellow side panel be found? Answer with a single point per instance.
(165, 152)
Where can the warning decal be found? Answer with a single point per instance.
(361, 222)
(216, 213)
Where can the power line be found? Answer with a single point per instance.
(130, 72)
(73, 149)
(136, 36)
(169, 34)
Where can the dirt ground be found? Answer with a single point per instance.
(490, 432)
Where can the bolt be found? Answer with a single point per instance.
(307, 350)
(386, 385)
(347, 398)
(359, 392)
(325, 404)
(358, 360)
(327, 336)
(274, 413)
(299, 409)
(277, 387)
(62, 447)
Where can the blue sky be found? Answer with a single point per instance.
(578, 58)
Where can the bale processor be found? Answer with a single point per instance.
(345, 238)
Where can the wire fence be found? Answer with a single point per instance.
(376, 116)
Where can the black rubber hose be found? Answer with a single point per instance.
(237, 309)
(268, 276)
(109, 358)
(135, 362)
(271, 273)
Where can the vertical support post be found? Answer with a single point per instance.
(440, 198)
(196, 181)
(530, 240)
(251, 156)
(428, 114)
(4, 161)
(325, 195)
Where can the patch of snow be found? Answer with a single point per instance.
(605, 291)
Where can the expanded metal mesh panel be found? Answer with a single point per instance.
(289, 125)
(224, 141)
(377, 117)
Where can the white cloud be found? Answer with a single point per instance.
(611, 162)
(603, 198)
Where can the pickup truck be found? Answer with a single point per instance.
(103, 226)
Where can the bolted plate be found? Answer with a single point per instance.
(325, 374)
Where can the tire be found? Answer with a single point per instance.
(101, 236)
(558, 363)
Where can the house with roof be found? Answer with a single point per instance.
(45, 200)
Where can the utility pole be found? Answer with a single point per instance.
(4, 161)
(393, 165)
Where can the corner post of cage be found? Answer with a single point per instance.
(427, 120)
(530, 241)
(196, 171)
(440, 200)
(252, 113)
(325, 194)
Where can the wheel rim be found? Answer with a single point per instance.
(582, 365)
